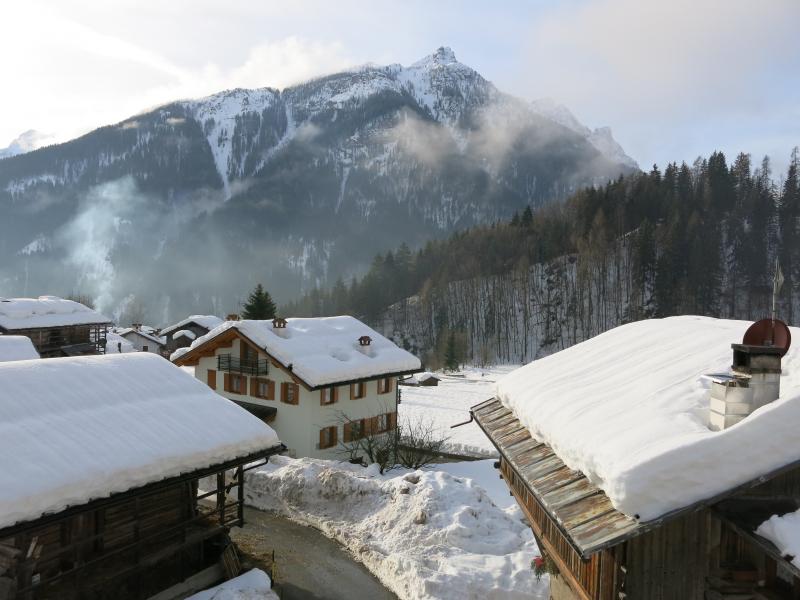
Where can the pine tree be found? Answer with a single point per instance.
(259, 305)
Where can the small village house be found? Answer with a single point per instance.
(648, 470)
(319, 382)
(57, 327)
(185, 331)
(141, 339)
(123, 477)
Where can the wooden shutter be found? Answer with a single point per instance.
(226, 382)
(389, 384)
(348, 437)
(322, 397)
(270, 390)
(335, 392)
(212, 379)
(392, 420)
(335, 436)
(322, 444)
(372, 425)
(296, 393)
(352, 391)
(284, 393)
(253, 386)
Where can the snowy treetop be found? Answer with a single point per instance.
(323, 350)
(76, 429)
(45, 311)
(629, 408)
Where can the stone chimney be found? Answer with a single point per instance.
(364, 340)
(753, 382)
(232, 317)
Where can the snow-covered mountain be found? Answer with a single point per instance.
(188, 205)
(26, 142)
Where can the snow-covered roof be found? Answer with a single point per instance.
(184, 333)
(784, 532)
(45, 311)
(131, 331)
(321, 350)
(115, 344)
(426, 376)
(629, 408)
(76, 429)
(16, 347)
(207, 321)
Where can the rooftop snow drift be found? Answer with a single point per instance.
(321, 351)
(45, 311)
(207, 321)
(16, 347)
(629, 409)
(76, 429)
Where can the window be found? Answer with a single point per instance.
(236, 384)
(262, 388)
(290, 393)
(327, 395)
(382, 423)
(357, 430)
(144, 348)
(327, 437)
(358, 390)
(385, 385)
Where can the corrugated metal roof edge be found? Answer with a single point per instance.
(645, 526)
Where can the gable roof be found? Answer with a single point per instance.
(16, 347)
(46, 311)
(131, 331)
(85, 428)
(206, 321)
(629, 409)
(580, 510)
(319, 351)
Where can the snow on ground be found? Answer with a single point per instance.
(253, 585)
(76, 429)
(784, 532)
(629, 408)
(448, 403)
(322, 350)
(424, 534)
(483, 473)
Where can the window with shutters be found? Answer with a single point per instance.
(327, 395)
(357, 429)
(237, 384)
(290, 393)
(382, 423)
(327, 437)
(385, 385)
(262, 388)
(358, 390)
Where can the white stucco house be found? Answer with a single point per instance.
(141, 339)
(317, 381)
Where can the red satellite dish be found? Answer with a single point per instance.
(767, 332)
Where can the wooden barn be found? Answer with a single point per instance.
(707, 548)
(57, 327)
(127, 476)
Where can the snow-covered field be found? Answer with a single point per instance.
(424, 534)
(449, 403)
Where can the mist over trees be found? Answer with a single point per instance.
(694, 239)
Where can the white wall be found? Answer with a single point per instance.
(139, 342)
(298, 425)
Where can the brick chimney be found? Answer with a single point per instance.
(753, 382)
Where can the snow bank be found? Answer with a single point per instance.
(784, 532)
(207, 321)
(425, 534)
(321, 350)
(253, 585)
(45, 311)
(75, 429)
(629, 408)
(16, 347)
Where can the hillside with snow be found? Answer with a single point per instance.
(296, 186)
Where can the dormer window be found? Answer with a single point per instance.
(364, 340)
(279, 323)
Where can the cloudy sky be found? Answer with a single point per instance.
(673, 79)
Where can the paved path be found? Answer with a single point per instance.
(309, 565)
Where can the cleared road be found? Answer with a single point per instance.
(309, 566)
